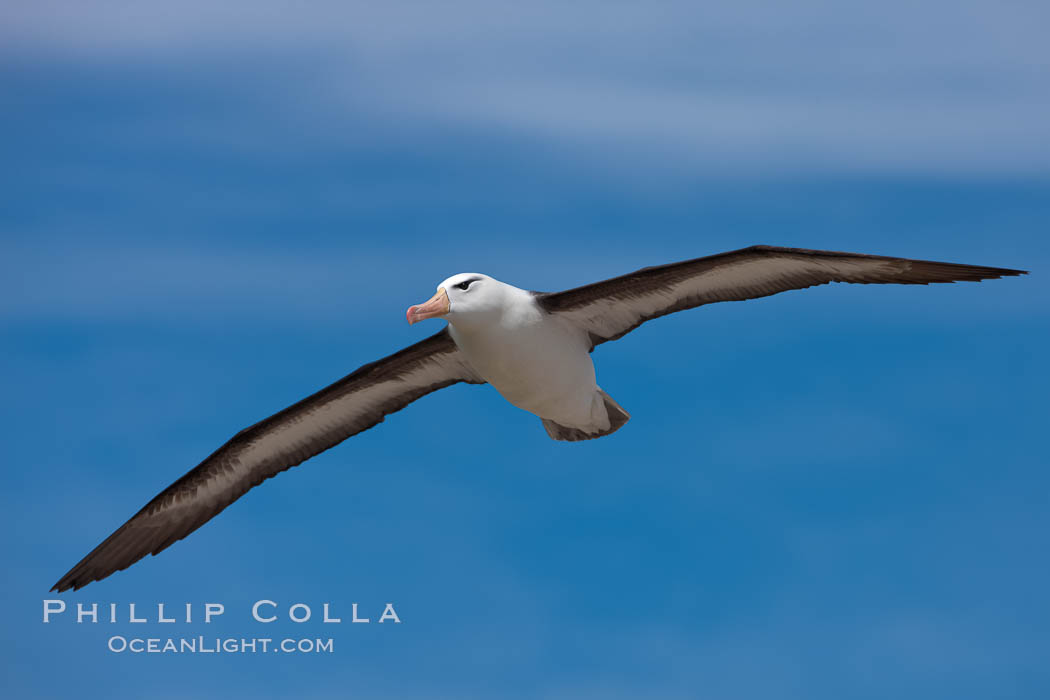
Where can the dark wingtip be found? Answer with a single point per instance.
(64, 584)
(995, 273)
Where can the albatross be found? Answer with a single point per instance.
(534, 348)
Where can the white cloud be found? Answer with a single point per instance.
(940, 87)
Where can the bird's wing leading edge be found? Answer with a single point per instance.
(353, 404)
(609, 309)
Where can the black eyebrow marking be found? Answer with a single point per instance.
(466, 283)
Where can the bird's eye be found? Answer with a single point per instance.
(464, 285)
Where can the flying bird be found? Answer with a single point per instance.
(532, 347)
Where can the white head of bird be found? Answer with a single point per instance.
(465, 300)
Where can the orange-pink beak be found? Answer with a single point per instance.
(435, 307)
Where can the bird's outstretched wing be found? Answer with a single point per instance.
(609, 309)
(353, 404)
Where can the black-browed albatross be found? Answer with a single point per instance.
(534, 348)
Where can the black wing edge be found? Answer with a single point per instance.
(931, 272)
(103, 561)
(553, 302)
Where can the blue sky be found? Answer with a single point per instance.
(211, 211)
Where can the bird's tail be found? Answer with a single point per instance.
(617, 418)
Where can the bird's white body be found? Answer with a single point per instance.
(534, 360)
